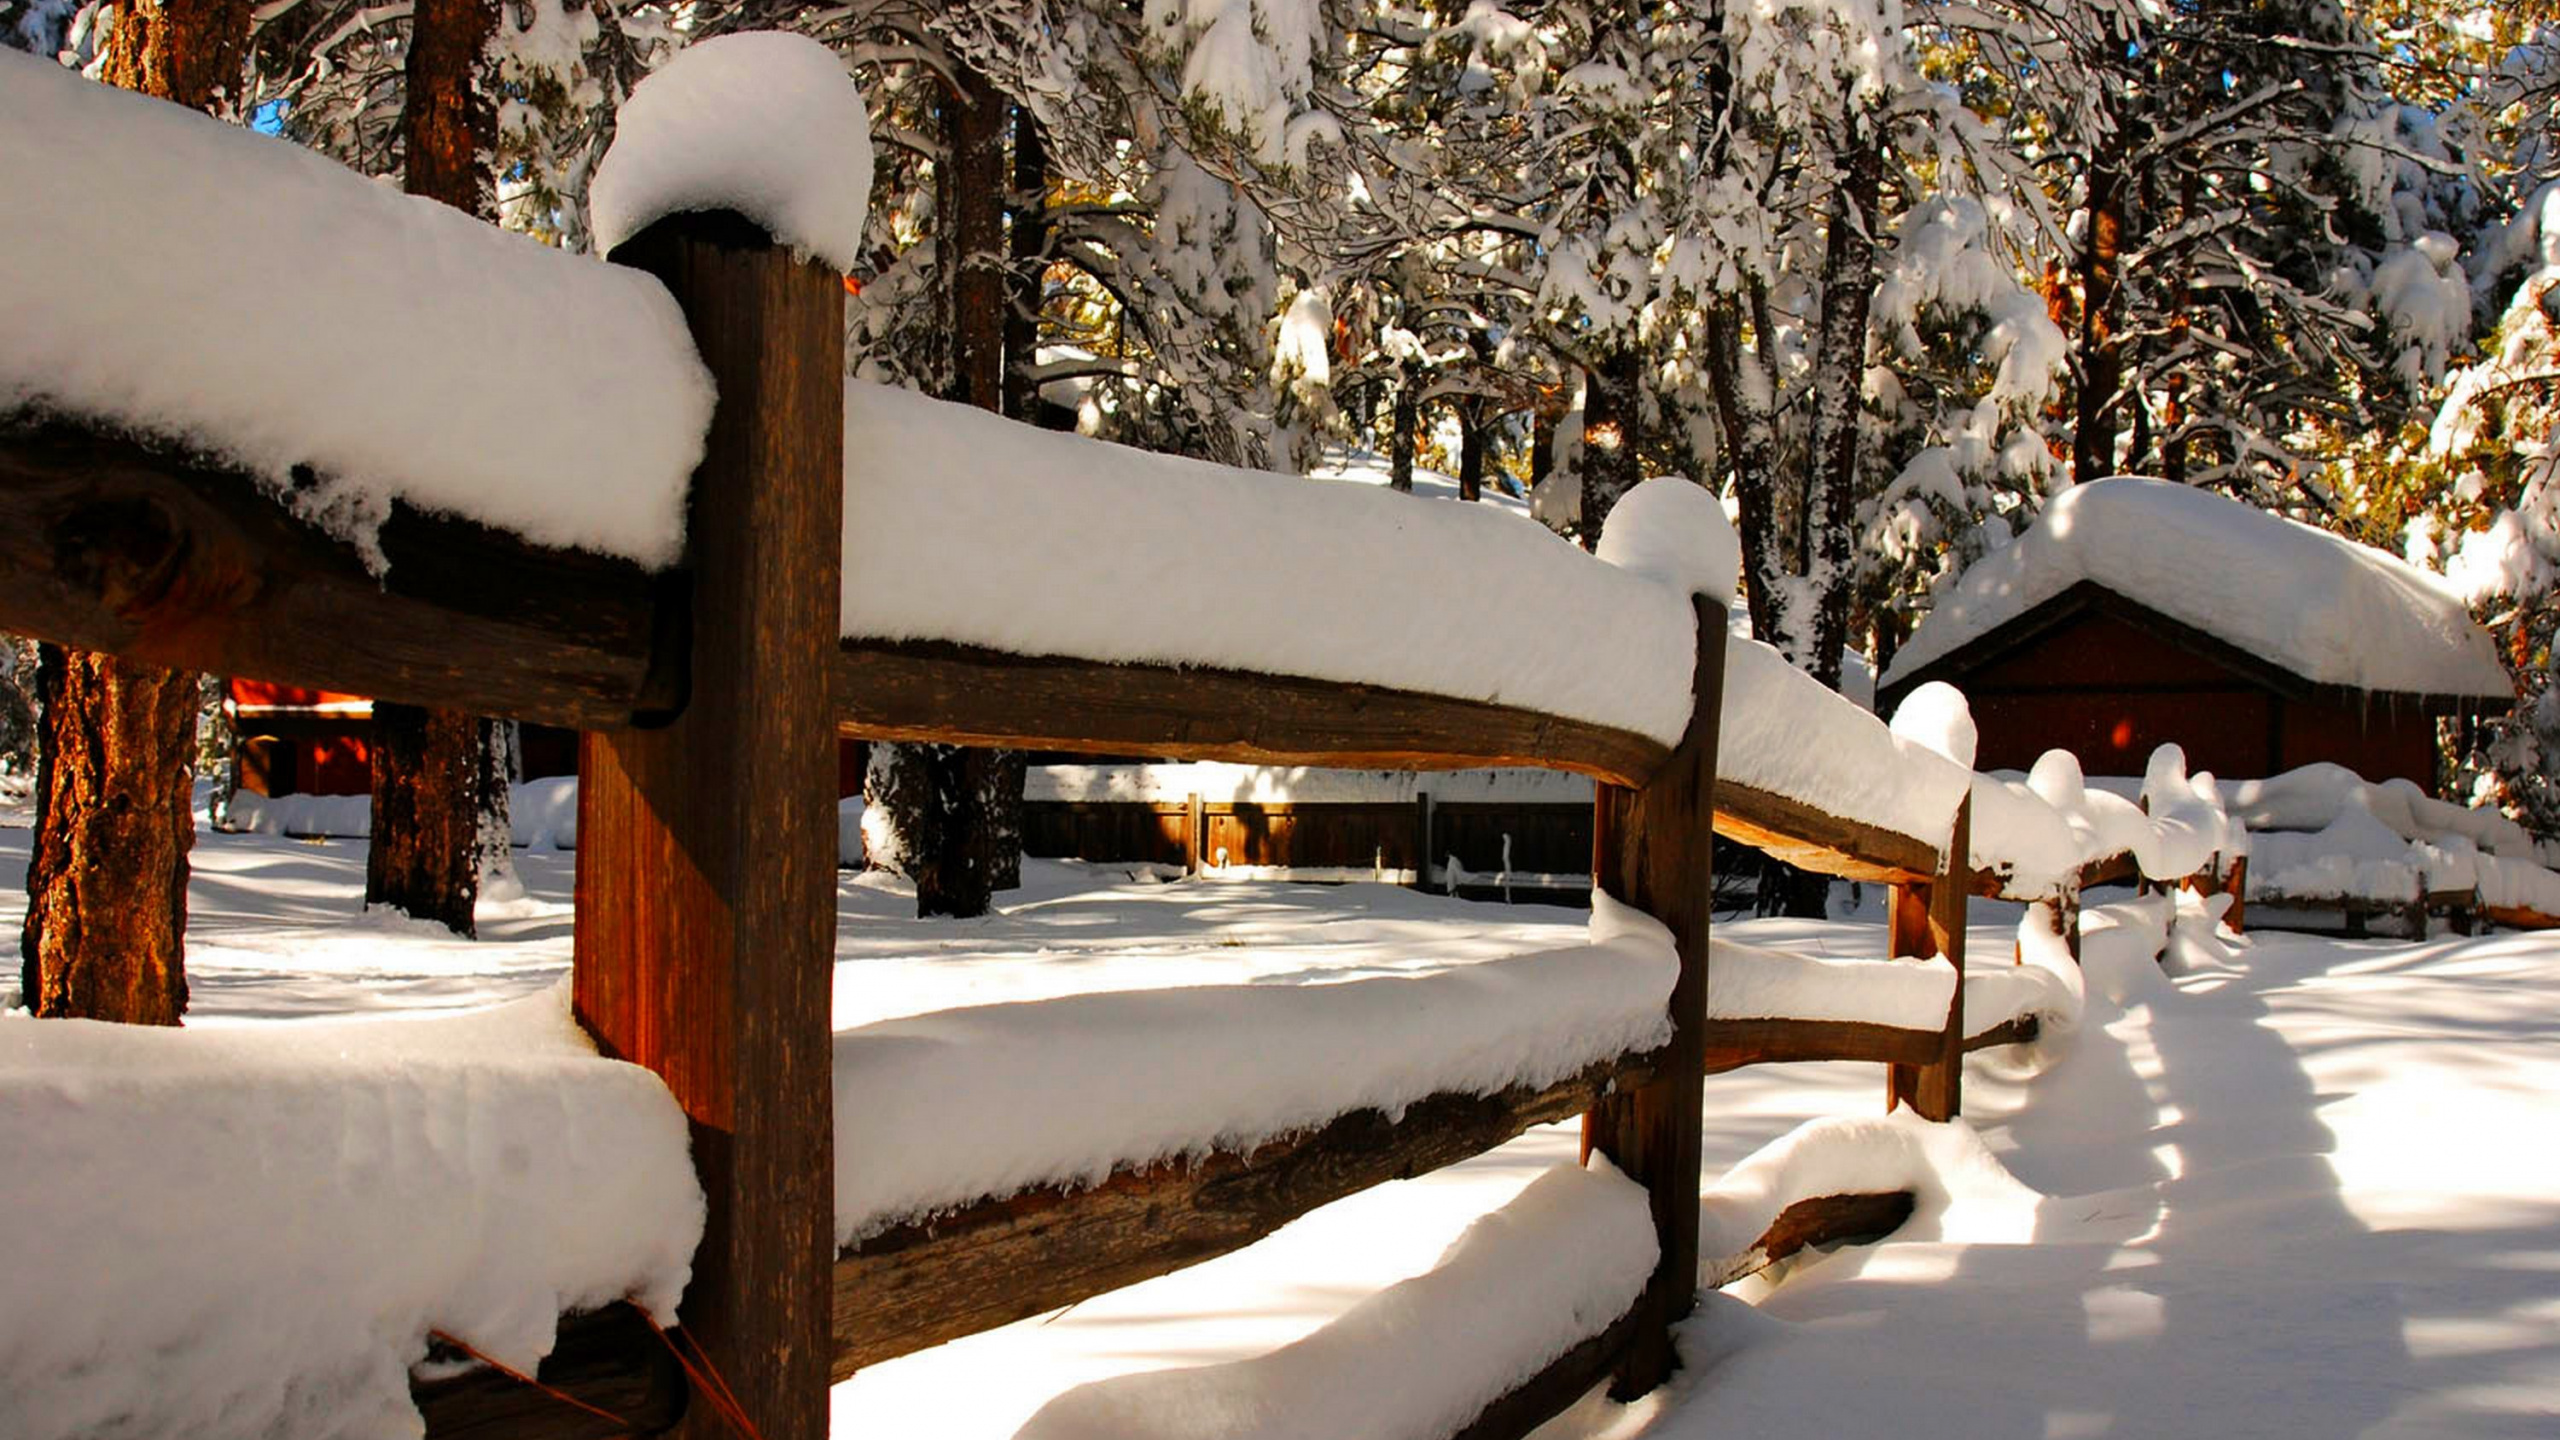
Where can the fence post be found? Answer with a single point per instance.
(706, 846)
(1653, 848)
(1195, 827)
(1929, 920)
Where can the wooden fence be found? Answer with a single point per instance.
(710, 701)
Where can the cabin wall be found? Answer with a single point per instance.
(2110, 691)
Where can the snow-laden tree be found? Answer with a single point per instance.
(2488, 484)
(2261, 243)
(1965, 362)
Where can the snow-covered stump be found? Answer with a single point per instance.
(1928, 920)
(1652, 847)
(707, 846)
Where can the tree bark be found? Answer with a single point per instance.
(1407, 426)
(423, 860)
(190, 51)
(940, 803)
(105, 931)
(1830, 509)
(1612, 415)
(439, 803)
(2101, 354)
(1471, 448)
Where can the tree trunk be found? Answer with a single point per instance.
(424, 858)
(1829, 511)
(1408, 425)
(105, 932)
(2101, 367)
(190, 51)
(1471, 447)
(1027, 244)
(104, 937)
(1612, 415)
(439, 797)
(937, 802)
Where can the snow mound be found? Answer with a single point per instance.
(214, 288)
(940, 1109)
(2032, 844)
(2318, 605)
(1420, 1358)
(2312, 796)
(1937, 717)
(966, 527)
(1752, 982)
(250, 1232)
(767, 123)
(1962, 1191)
(1675, 531)
(2354, 857)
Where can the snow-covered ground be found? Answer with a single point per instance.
(2302, 1187)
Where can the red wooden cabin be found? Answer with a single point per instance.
(2136, 612)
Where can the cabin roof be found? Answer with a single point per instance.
(2310, 603)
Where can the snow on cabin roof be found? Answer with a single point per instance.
(2313, 603)
(194, 282)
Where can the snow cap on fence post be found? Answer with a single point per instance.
(1675, 531)
(1936, 717)
(766, 123)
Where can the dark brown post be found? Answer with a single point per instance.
(2236, 885)
(1653, 849)
(706, 847)
(1196, 831)
(1929, 920)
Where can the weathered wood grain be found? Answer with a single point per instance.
(1809, 839)
(707, 847)
(1002, 1260)
(2021, 1031)
(1733, 1044)
(1821, 1220)
(1929, 920)
(156, 555)
(962, 694)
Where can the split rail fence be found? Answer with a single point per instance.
(711, 698)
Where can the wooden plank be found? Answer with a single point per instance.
(2021, 1031)
(706, 847)
(1001, 1260)
(1653, 848)
(1930, 921)
(1825, 844)
(965, 695)
(1555, 1388)
(1821, 1220)
(176, 560)
(2519, 917)
(2113, 870)
(607, 1358)
(1733, 1044)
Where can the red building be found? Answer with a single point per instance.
(2136, 612)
